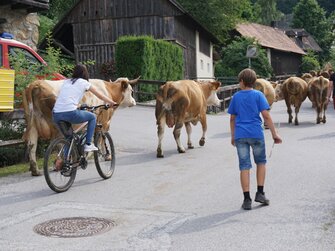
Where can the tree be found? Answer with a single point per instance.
(58, 8)
(310, 62)
(234, 59)
(328, 6)
(286, 6)
(218, 16)
(309, 15)
(267, 11)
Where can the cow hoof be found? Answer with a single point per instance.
(160, 153)
(190, 146)
(181, 150)
(36, 173)
(296, 123)
(202, 142)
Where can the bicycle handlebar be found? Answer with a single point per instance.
(93, 108)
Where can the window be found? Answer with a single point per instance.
(201, 64)
(205, 46)
(17, 52)
(208, 68)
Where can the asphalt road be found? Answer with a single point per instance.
(187, 201)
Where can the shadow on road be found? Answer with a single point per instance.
(321, 136)
(210, 221)
(22, 197)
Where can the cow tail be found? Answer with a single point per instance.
(27, 102)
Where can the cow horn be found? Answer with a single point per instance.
(134, 81)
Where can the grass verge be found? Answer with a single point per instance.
(18, 168)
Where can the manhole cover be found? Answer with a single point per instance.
(74, 227)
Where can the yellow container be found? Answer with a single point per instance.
(6, 90)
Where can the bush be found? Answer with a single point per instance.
(310, 62)
(151, 59)
(11, 129)
(27, 72)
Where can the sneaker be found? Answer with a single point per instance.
(90, 148)
(246, 204)
(260, 197)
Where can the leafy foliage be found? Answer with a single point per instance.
(266, 11)
(218, 16)
(310, 62)
(286, 6)
(309, 15)
(27, 71)
(149, 58)
(234, 59)
(11, 129)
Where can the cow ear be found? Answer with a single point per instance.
(171, 91)
(216, 85)
(124, 85)
(160, 90)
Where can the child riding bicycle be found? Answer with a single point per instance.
(71, 92)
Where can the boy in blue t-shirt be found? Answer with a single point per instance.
(247, 132)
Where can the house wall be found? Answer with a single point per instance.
(285, 62)
(204, 59)
(23, 26)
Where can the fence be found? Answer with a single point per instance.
(226, 91)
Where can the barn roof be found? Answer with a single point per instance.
(303, 39)
(269, 37)
(29, 5)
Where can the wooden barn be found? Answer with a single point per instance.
(284, 55)
(90, 29)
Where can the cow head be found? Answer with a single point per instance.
(212, 98)
(126, 90)
(279, 92)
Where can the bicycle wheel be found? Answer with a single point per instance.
(58, 172)
(104, 158)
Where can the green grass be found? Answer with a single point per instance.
(18, 168)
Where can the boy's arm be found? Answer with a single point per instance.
(232, 128)
(268, 121)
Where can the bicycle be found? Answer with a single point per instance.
(65, 155)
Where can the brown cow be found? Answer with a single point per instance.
(266, 87)
(39, 98)
(317, 94)
(184, 102)
(294, 92)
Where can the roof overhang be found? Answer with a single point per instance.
(29, 5)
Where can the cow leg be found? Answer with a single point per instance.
(203, 122)
(176, 134)
(318, 114)
(189, 132)
(296, 110)
(289, 111)
(32, 146)
(324, 112)
(160, 134)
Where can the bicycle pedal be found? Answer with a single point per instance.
(66, 171)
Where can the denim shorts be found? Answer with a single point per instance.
(243, 152)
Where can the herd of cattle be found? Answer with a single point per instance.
(178, 103)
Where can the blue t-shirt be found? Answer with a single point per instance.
(246, 105)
